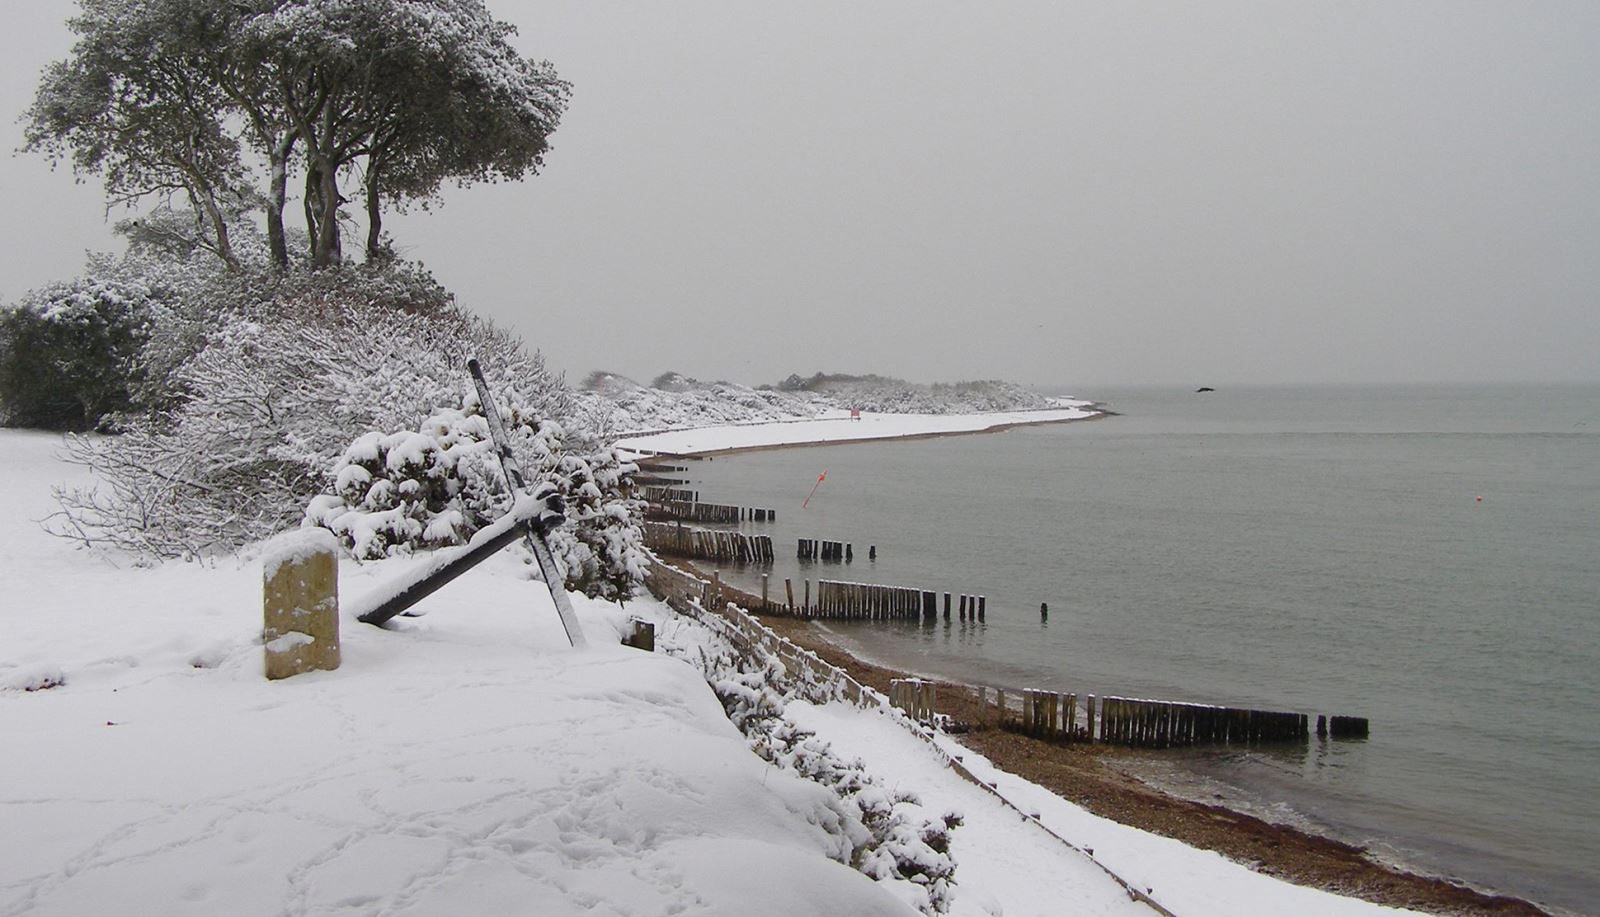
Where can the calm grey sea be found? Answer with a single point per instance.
(1317, 549)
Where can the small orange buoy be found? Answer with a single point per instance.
(1480, 499)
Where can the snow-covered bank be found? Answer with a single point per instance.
(1183, 879)
(466, 761)
(838, 426)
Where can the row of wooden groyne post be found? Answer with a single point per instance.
(873, 602)
(835, 551)
(656, 475)
(834, 599)
(1052, 716)
(662, 493)
(842, 601)
(814, 549)
(691, 511)
(708, 544)
(1048, 715)
(1142, 723)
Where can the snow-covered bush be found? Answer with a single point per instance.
(890, 836)
(270, 403)
(675, 401)
(70, 353)
(630, 407)
(434, 486)
(177, 296)
(897, 396)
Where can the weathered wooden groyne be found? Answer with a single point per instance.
(1049, 715)
(707, 544)
(817, 549)
(844, 601)
(868, 601)
(692, 511)
(1145, 723)
(656, 480)
(663, 494)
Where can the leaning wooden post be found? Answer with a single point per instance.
(300, 603)
(788, 590)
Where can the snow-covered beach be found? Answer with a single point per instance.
(836, 427)
(464, 761)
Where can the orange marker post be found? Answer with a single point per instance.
(820, 478)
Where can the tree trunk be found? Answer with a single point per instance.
(277, 196)
(327, 242)
(312, 204)
(375, 251)
(223, 246)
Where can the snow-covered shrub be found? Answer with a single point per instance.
(884, 394)
(70, 353)
(189, 295)
(675, 401)
(627, 406)
(434, 486)
(270, 403)
(891, 837)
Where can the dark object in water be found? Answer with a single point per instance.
(1204, 388)
(1348, 726)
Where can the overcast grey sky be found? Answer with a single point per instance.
(1050, 192)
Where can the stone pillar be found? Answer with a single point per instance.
(300, 602)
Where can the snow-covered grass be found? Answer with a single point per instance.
(465, 761)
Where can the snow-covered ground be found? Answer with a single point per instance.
(466, 761)
(838, 426)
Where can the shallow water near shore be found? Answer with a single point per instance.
(1322, 550)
